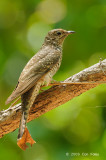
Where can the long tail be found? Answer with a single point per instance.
(23, 122)
(24, 135)
(27, 102)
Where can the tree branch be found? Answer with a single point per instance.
(55, 96)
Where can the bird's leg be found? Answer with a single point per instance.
(54, 81)
(42, 89)
(27, 101)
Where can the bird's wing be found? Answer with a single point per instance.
(35, 69)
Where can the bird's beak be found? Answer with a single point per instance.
(70, 32)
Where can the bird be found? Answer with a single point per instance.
(38, 72)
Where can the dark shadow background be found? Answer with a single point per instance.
(79, 125)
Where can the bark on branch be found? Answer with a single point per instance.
(55, 96)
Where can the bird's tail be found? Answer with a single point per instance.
(24, 135)
(27, 102)
(23, 122)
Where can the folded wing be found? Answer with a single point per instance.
(35, 69)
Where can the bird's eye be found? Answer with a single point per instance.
(58, 33)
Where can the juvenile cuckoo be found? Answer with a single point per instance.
(37, 72)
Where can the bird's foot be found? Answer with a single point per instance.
(54, 82)
(42, 90)
(26, 138)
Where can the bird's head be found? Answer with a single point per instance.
(57, 36)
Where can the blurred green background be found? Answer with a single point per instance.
(79, 125)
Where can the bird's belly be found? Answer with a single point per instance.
(50, 74)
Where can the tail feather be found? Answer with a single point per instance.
(27, 102)
(23, 122)
(24, 135)
(12, 97)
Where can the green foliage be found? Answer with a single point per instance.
(79, 125)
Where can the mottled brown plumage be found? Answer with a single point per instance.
(38, 71)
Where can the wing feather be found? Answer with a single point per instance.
(35, 69)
